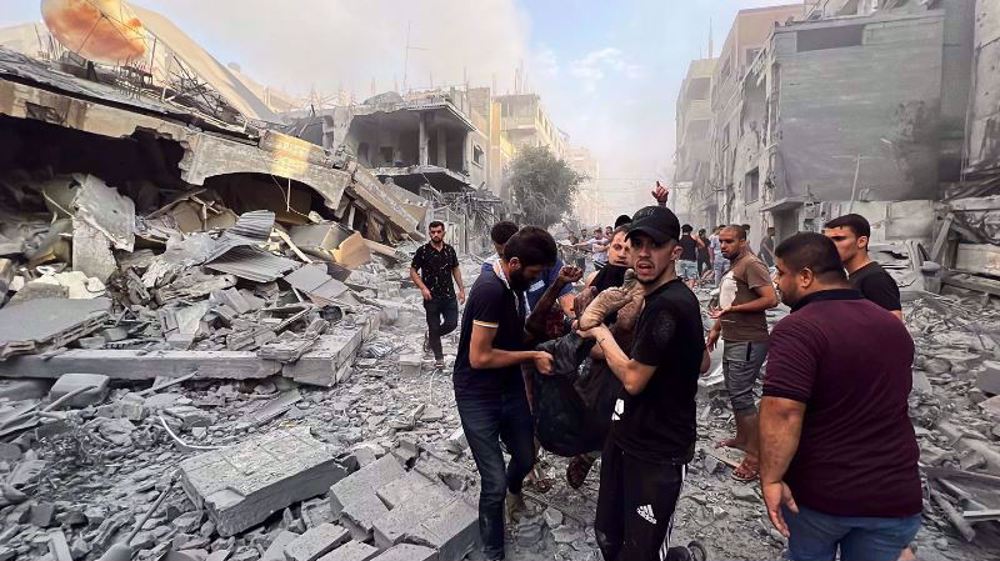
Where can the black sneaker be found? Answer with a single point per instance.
(693, 552)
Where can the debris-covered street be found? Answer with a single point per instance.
(243, 324)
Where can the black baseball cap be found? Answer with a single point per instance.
(659, 223)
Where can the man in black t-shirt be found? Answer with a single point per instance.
(432, 269)
(850, 233)
(489, 388)
(653, 427)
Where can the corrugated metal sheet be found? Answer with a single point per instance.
(253, 264)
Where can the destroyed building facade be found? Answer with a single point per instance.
(827, 112)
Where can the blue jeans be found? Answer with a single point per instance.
(486, 422)
(816, 536)
(687, 269)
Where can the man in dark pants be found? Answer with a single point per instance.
(838, 451)
(489, 388)
(653, 428)
(850, 234)
(432, 269)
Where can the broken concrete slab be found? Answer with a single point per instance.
(452, 529)
(351, 551)
(354, 498)
(316, 542)
(17, 390)
(410, 365)
(142, 365)
(242, 485)
(991, 406)
(67, 383)
(392, 527)
(107, 211)
(48, 322)
(989, 379)
(397, 492)
(408, 552)
(276, 550)
(314, 281)
(328, 362)
(92, 254)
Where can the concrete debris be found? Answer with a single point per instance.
(316, 542)
(36, 325)
(242, 485)
(94, 389)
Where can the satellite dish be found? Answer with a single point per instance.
(106, 31)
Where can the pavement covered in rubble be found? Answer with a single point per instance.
(85, 478)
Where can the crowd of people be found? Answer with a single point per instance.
(829, 440)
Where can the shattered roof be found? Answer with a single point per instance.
(23, 69)
(220, 78)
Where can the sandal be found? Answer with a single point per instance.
(747, 471)
(577, 470)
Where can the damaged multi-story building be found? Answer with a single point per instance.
(838, 107)
(694, 125)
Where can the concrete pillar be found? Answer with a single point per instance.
(424, 140)
(467, 152)
(442, 146)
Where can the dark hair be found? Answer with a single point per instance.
(435, 224)
(687, 229)
(741, 233)
(622, 220)
(532, 246)
(701, 231)
(621, 228)
(502, 231)
(813, 251)
(857, 224)
(746, 227)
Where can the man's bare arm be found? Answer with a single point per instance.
(780, 429)
(415, 277)
(457, 273)
(482, 354)
(634, 375)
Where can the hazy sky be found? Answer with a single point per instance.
(608, 72)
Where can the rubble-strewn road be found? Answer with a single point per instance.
(101, 468)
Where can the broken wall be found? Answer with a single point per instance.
(861, 86)
(984, 126)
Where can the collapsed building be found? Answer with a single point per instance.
(158, 227)
(821, 109)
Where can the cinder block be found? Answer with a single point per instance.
(453, 530)
(989, 380)
(71, 382)
(316, 542)
(409, 365)
(365, 481)
(276, 551)
(403, 489)
(240, 486)
(409, 552)
(351, 551)
(391, 528)
(354, 498)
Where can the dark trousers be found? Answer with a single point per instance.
(486, 422)
(703, 264)
(442, 319)
(635, 506)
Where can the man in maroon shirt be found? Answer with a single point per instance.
(838, 452)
